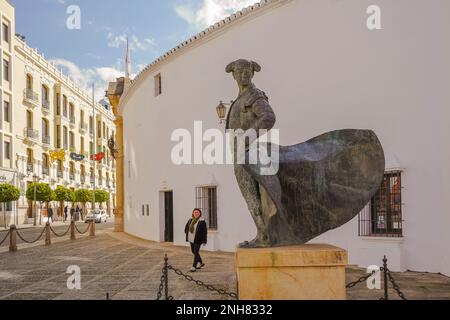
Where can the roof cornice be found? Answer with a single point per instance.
(207, 34)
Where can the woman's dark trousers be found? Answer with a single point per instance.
(196, 252)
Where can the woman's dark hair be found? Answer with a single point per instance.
(197, 209)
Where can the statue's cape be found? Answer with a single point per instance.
(321, 184)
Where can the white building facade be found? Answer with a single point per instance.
(53, 114)
(323, 69)
(43, 110)
(8, 172)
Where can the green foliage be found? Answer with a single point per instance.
(63, 194)
(83, 196)
(8, 193)
(43, 192)
(101, 196)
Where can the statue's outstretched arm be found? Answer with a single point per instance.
(265, 117)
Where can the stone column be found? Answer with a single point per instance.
(119, 212)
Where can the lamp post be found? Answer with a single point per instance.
(35, 180)
(222, 110)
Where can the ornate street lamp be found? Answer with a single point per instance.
(222, 110)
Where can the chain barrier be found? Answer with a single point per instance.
(59, 235)
(360, 280)
(202, 284)
(4, 239)
(30, 242)
(395, 285)
(387, 276)
(164, 283)
(161, 285)
(76, 228)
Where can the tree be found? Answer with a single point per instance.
(83, 196)
(63, 194)
(8, 193)
(43, 193)
(101, 196)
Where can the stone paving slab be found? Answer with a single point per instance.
(128, 268)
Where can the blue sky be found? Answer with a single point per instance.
(96, 52)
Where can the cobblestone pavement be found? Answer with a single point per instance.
(128, 268)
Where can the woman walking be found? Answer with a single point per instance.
(197, 235)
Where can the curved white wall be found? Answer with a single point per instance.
(322, 70)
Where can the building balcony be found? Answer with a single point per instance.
(83, 128)
(72, 176)
(83, 179)
(59, 174)
(30, 168)
(72, 121)
(31, 98)
(46, 107)
(46, 141)
(92, 180)
(31, 135)
(45, 171)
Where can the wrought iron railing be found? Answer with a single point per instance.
(29, 94)
(46, 105)
(46, 140)
(45, 171)
(31, 133)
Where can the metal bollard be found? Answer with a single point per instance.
(13, 239)
(48, 241)
(72, 230)
(92, 229)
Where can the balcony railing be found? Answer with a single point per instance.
(45, 171)
(31, 133)
(92, 181)
(83, 126)
(83, 179)
(31, 96)
(72, 176)
(59, 174)
(46, 140)
(30, 167)
(46, 105)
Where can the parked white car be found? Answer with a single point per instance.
(99, 216)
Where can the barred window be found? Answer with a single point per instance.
(206, 200)
(382, 217)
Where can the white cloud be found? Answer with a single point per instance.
(84, 78)
(211, 11)
(117, 41)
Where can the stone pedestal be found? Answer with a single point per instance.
(306, 272)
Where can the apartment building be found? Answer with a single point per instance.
(8, 174)
(53, 114)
